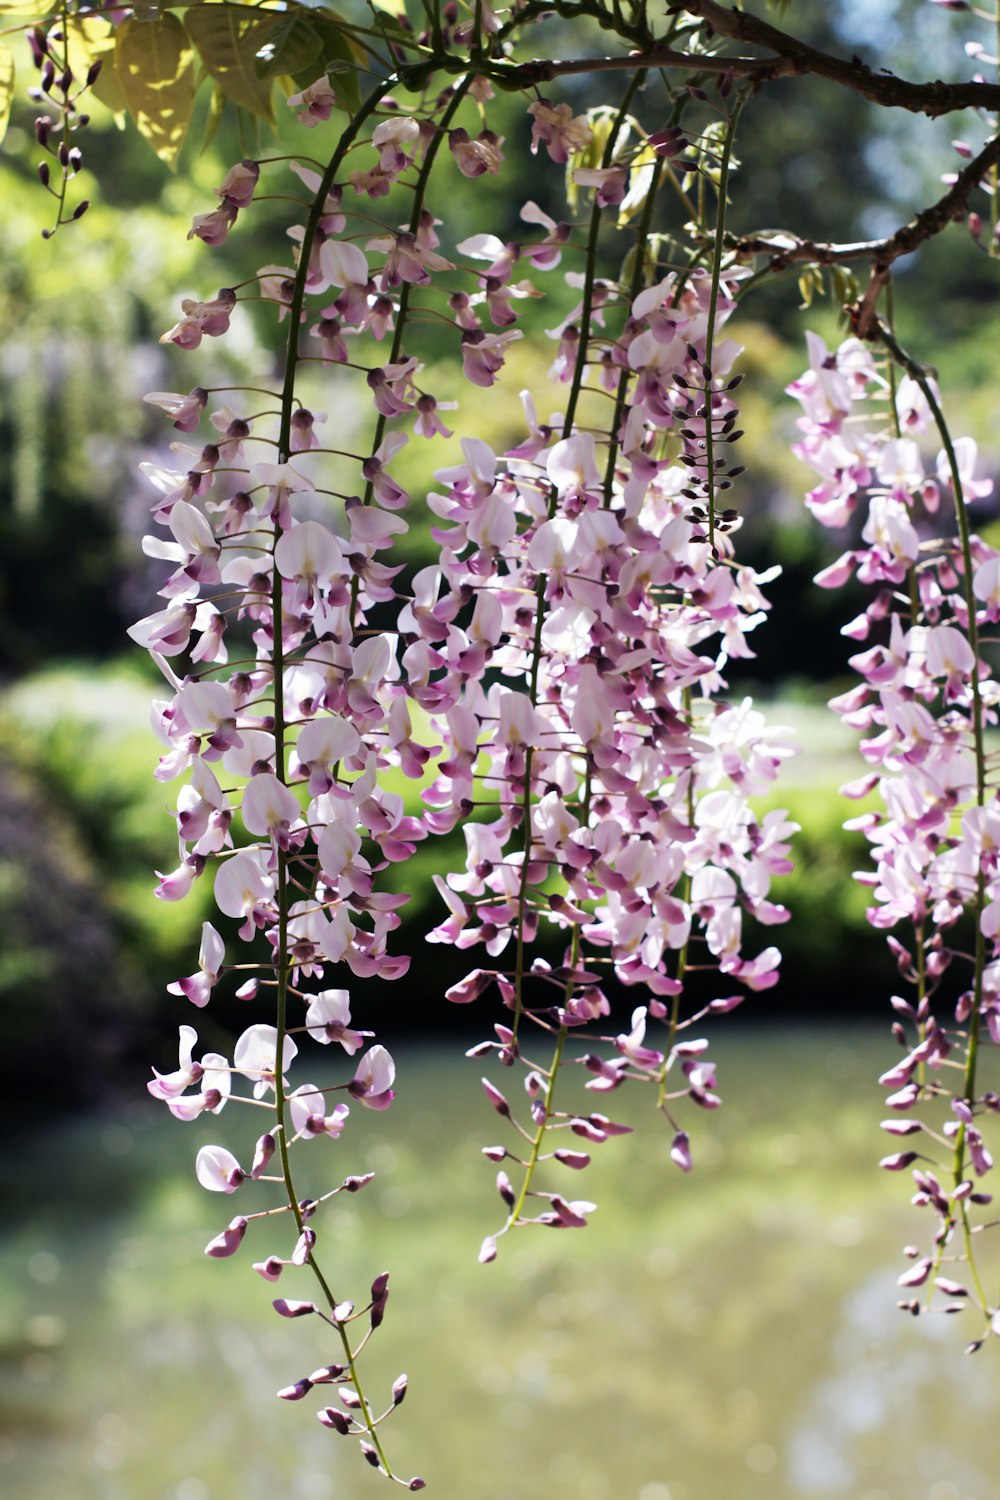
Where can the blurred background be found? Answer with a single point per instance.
(752, 1348)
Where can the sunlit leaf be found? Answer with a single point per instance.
(6, 87)
(391, 7)
(290, 45)
(89, 39)
(155, 67)
(228, 37)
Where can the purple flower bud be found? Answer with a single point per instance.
(295, 1392)
(575, 1159)
(303, 1247)
(497, 1153)
(94, 72)
(290, 1309)
(399, 1390)
(952, 1288)
(380, 1287)
(350, 1398)
(81, 209)
(917, 1274)
(342, 1311)
(417, 1484)
(355, 1184)
(495, 1097)
(899, 1161)
(331, 1417)
(487, 1250)
(43, 173)
(229, 1241)
(43, 124)
(270, 1269)
(326, 1374)
(370, 1455)
(680, 1151)
(505, 1190)
(262, 1155)
(469, 988)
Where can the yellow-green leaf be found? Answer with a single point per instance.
(155, 67)
(6, 87)
(394, 7)
(228, 43)
(89, 38)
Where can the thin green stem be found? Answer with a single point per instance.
(282, 957)
(713, 305)
(542, 580)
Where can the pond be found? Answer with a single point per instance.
(731, 1335)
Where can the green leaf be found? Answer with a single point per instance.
(290, 45)
(6, 87)
(216, 108)
(155, 68)
(89, 38)
(393, 7)
(341, 52)
(228, 37)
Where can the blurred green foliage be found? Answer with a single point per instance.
(83, 819)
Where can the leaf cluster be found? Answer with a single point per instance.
(152, 66)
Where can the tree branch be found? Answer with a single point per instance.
(784, 248)
(792, 59)
(795, 57)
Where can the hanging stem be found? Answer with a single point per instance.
(919, 375)
(282, 957)
(713, 304)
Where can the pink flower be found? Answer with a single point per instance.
(218, 1170)
(373, 1080)
(315, 103)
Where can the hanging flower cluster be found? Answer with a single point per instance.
(925, 699)
(623, 781)
(553, 682)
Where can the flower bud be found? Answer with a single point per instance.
(330, 1417)
(290, 1309)
(270, 1269)
(399, 1390)
(262, 1155)
(229, 1241)
(495, 1097)
(295, 1392)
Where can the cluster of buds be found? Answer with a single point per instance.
(59, 92)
